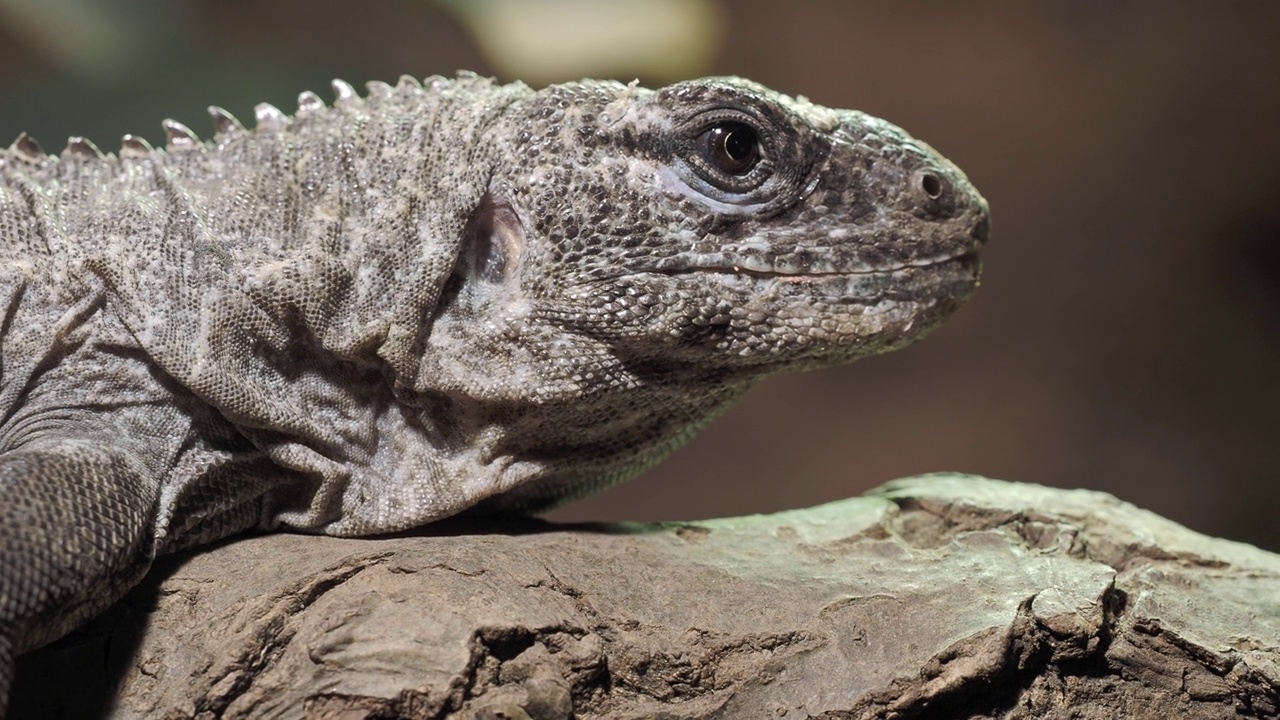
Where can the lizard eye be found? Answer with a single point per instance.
(730, 151)
(731, 147)
(738, 153)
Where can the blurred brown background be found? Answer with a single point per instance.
(1127, 334)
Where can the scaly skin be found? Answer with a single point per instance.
(457, 297)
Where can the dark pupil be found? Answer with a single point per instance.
(731, 147)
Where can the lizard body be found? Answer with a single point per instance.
(457, 296)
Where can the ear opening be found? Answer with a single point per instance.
(493, 243)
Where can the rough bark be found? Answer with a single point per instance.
(934, 597)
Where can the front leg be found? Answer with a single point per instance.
(75, 519)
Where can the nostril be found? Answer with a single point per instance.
(931, 185)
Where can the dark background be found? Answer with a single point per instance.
(1127, 334)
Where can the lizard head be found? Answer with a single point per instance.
(716, 228)
(638, 258)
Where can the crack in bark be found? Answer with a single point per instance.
(927, 523)
(493, 648)
(986, 674)
(270, 640)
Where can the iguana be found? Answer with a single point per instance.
(442, 297)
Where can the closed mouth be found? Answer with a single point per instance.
(952, 275)
(755, 268)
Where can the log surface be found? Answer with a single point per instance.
(940, 596)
